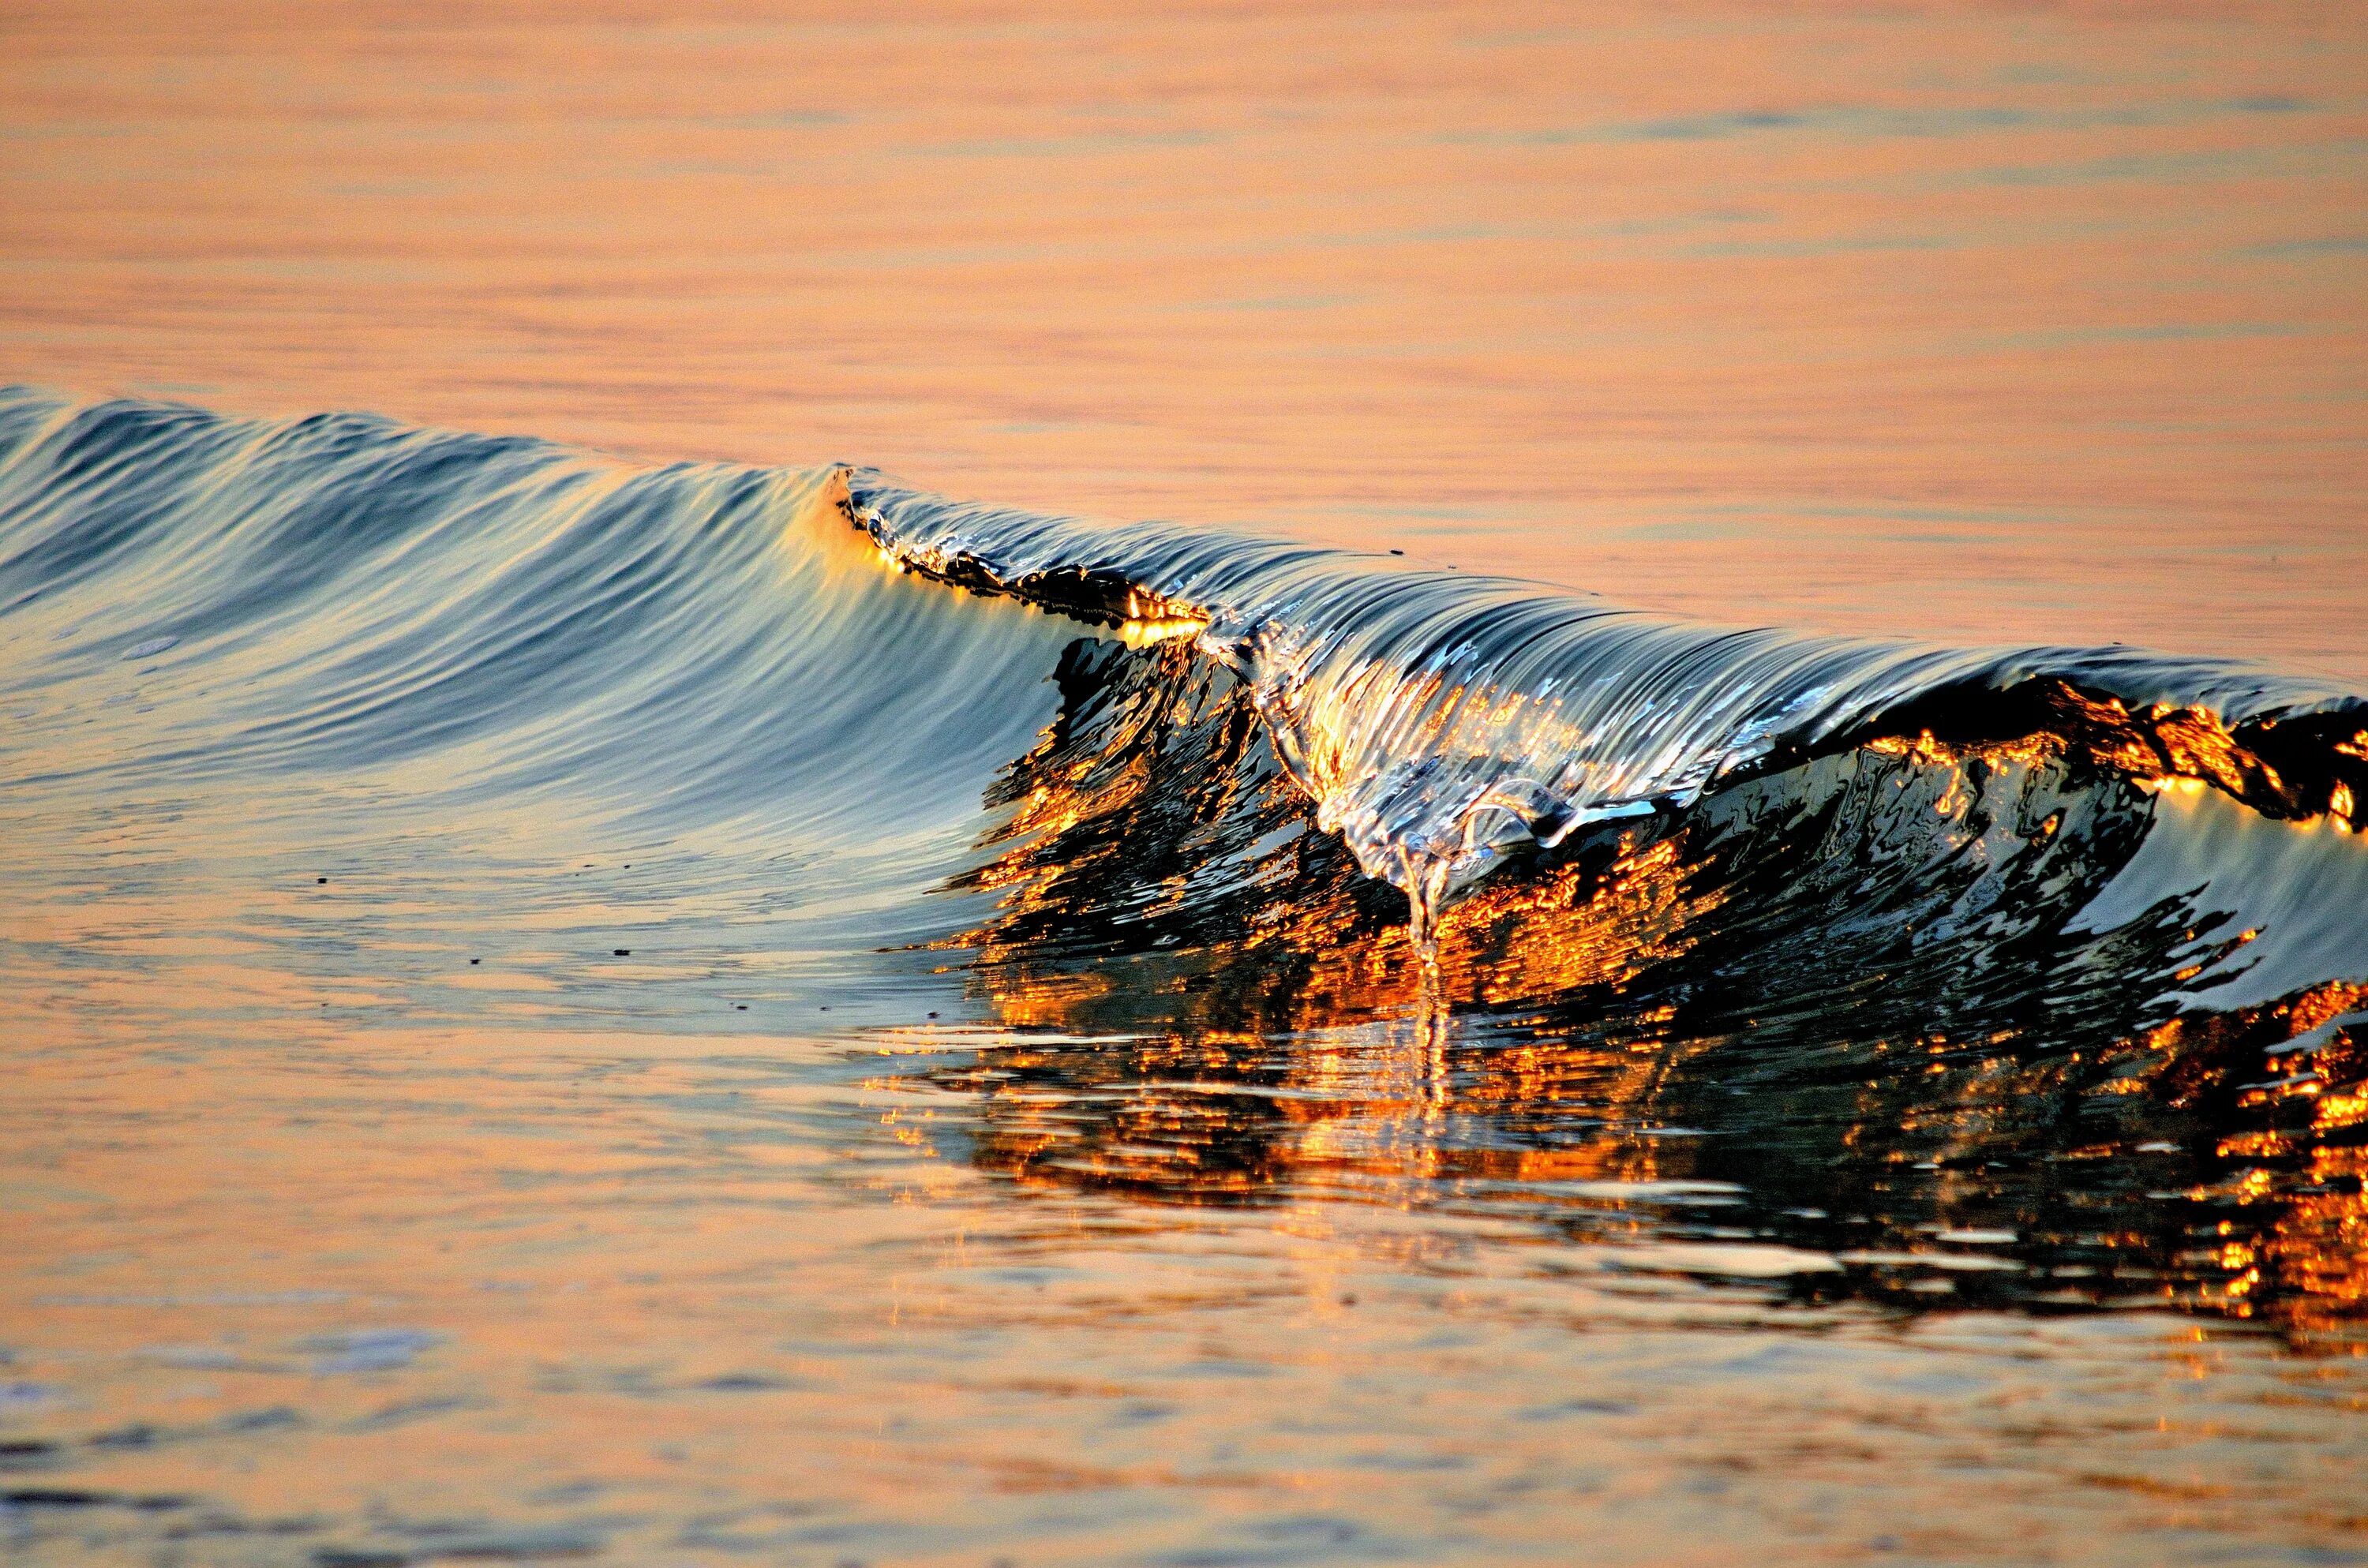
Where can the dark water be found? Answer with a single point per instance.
(704, 1012)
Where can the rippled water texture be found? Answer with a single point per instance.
(561, 1005)
(2034, 324)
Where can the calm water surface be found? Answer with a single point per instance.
(555, 1006)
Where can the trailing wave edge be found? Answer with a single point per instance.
(1441, 720)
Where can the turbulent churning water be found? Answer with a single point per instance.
(1869, 982)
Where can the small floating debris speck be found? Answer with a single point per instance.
(369, 1349)
(476, 960)
(153, 646)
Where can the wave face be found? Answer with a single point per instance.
(1550, 891)
(1438, 719)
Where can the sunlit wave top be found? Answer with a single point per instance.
(1438, 719)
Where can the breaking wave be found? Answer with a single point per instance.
(1863, 909)
(1438, 719)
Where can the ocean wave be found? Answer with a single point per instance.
(1261, 863)
(1440, 719)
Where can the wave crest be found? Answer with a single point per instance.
(1441, 720)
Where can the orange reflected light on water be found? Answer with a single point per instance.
(2046, 328)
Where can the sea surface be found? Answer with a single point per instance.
(1279, 785)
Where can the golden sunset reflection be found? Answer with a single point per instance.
(1879, 324)
(1562, 1036)
(1585, 933)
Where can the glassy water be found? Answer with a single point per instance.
(566, 1006)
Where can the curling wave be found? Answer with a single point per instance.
(1438, 719)
(1200, 826)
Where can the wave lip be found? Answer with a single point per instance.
(1442, 720)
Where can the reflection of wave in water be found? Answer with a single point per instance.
(1892, 995)
(2062, 943)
